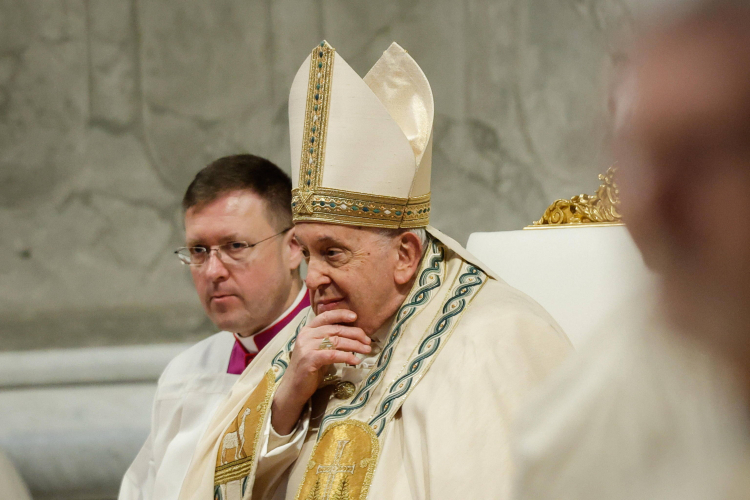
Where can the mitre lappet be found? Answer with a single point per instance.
(364, 144)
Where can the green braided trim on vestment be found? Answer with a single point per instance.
(470, 281)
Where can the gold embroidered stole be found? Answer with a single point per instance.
(239, 443)
(344, 458)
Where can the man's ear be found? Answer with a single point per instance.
(294, 250)
(409, 248)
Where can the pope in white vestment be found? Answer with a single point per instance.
(426, 413)
(187, 394)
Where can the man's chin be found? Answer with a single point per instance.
(228, 322)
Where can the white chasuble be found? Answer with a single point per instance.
(427, 417)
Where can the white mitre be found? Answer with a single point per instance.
(364, 144)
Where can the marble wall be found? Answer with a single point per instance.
(109, 107)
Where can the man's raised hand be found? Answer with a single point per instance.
(310, 361)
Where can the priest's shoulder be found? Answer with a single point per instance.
(210, 355)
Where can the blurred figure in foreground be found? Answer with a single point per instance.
(658, 405)
(238, 207)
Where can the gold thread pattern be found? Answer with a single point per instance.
(601, 208)
(239, 443)
(316, 124)
(342, 463)
(361, 209)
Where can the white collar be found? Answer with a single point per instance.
(249, 342)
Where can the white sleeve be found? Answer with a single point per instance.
(278, 453)
(138, 480)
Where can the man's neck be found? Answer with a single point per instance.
(382, 332)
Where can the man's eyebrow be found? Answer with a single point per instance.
(224, 239)
(321, 240)
(328, 239)
(231, 237)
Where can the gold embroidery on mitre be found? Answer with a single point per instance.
(316, 125)
(239, 442)
(345, 458)
(360, 209)
(417, 212)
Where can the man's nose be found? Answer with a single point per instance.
(214, 268)
(316, 277)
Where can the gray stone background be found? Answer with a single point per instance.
(109, 107)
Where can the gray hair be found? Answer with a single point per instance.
(419, 232)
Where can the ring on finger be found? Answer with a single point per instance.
(326, 344)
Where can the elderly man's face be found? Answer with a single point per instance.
(685, 176)
(356, 269)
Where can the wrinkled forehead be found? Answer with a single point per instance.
(318, 233)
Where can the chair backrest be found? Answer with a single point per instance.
(578, 273)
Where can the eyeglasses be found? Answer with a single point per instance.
(234, 251)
